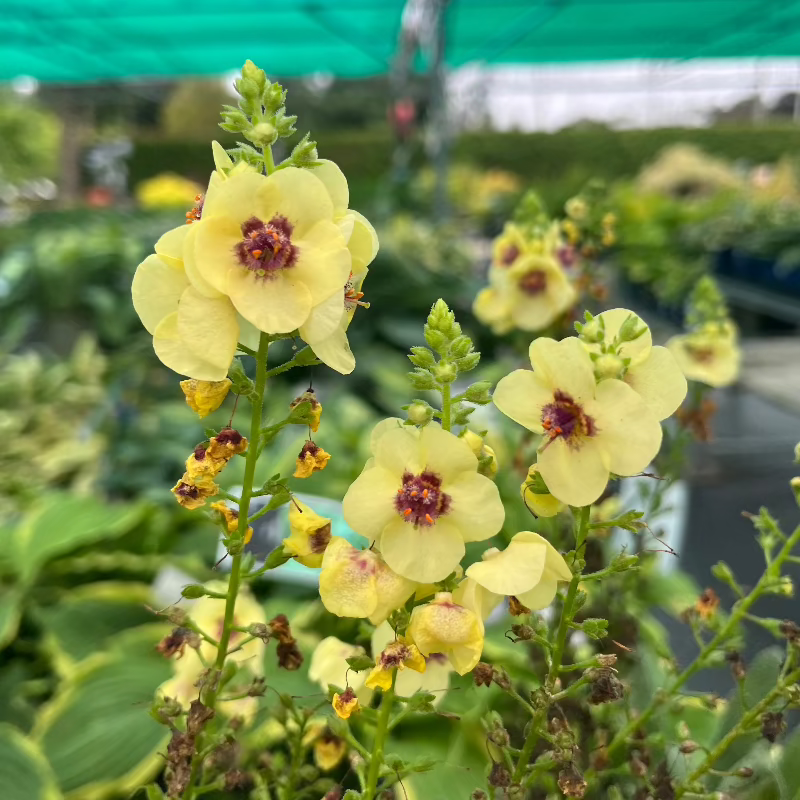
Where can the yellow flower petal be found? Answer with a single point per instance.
(274, 305)
(208, 326)
(491, 307)
(368, 504)
(363, 242)
(345, 704)
(613, 320)
(173, 352)
(323, 261)
(203, 397)
(564, 365)
(628, 431)
(170, 246)
(212, 254)
(328, 666)
(380, 678)
(309, 534)
(300, 196)
(334, 351)
(335, 182)
(658, 380)
(475, 506)
(445, 454)
(424, 554)
(575, 476)
(156, 289)
(415, 659)
(324, 319)
(190, 265)
(521, 396)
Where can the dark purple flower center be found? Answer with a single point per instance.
(534, 282)
(187, 490)
(509, 255)
(267, 247)
(702, 354)
(567, 255)
(564, 418)
(421, 499)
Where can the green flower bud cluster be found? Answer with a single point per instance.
(456, 355)
(262, 119)
(706, 304)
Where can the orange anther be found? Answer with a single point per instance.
(547, 424)
(429, 519)
(257, 253)
(407, 512)
(558, 430)
(425, 493)
(414, 493)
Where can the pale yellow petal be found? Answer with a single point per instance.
(301, 197)
(392, 592)
(363, 242)
(445, 454)
(240, 196)
(399, 450)
(464, 658)
(422, 553)
(613, 320)
(156, 289)
(324, 319)
(516, 569)
(208, 327)
(659, 381)
(334, 351)
(475, 506)
(385, 425)
(213, 253)
(335, 182)
(190, 265)
(368, 505)
(576, 476)
(521, 396)
(540, 596)
(323, 261)
(347, 580)
(627, 429)
(172, 352)
(564, 365)
(249, 335)
(274, 305)
(170, 245)
(477, 598)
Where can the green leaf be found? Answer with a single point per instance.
(84, 621)
(762, 674)
(97, 733)
(10, 609)
(790, 765)
(24, 771)
(64, 523)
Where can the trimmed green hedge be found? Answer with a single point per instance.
(553, 161)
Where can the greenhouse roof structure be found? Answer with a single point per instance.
(85, 41)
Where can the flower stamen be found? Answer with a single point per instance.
(421, 500)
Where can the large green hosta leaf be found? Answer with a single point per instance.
(97, 733)
(86, 620)
(63, 523)
(24, 771)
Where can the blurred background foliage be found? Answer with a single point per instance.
(95, 430)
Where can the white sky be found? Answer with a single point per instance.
(624, 94)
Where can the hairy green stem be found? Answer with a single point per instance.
(746, 722)
(236, 566)
(446, 405)
(739, 612)
(540, 717)
(376, 759)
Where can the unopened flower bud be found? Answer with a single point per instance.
(479, 393)
(482, 674)
(420, 413)
(479, 794)
(262, 135)
(460, 346)
(744, 772)
(445, 372)
(421, 379)
(688, 747)
(193, 591)
(773, 725)
(522, 632)
(608, 366)
(499, 777)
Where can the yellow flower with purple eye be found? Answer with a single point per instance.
(710, 355)
(590, 429)
(420, 499)
(651, 371)
(271, 245)
(508, 246)
(345, 704)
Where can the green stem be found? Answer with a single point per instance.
(376, 759)
(540, 718)
(236, 566)
(738, 613)
(269, 161)
(294, 361)
(446, 404)
(298, 754)
(744, 724)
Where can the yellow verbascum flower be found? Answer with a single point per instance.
(420, 499)
(329, 667)
(536, 290)
(590, 429)
(203, 397)
(444, 626)
(358, 583)
(208, 614)
(192, 492)
(651, 371)
(491, 307)
(434, 679)
(529, 568)
(345, 704)
(710, 355)
(543, 504)
(509, 246)
(329, 750)
(310, 397)
(271, 245)
(396, 655)
(309, 534)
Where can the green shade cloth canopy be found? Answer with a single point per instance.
(82, 41)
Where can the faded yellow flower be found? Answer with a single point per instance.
(329, 750)
(396, 655)
(312, 458)
(309, 396)
(309, 534)
(345, 704)
(203, 397)
(444, 626)
(231, 519)
(358, 583)
(590, 429)
(192, 492)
